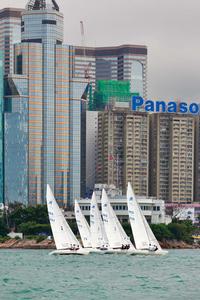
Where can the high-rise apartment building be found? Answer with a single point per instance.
(10, 33)
(126, 62)
(197, 160)
(54, 105)
(171, 172)
(136, 152)
(123, 148)
(1, 128)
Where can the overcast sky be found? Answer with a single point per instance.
(170, 29)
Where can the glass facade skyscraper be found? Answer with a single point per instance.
(10, 33)
(126, 62)
(54, 105)
(16, 139)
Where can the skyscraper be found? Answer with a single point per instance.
(126, 62)
(123, 149)
(54, 103)
(1, 128)
(16, 139)
(197, 160)
(10, 33)
(172, 157)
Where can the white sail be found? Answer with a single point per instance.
(98, 234)
(142, 232)
(115, 233)
(151, 236)
(83, 226)
(62, 233)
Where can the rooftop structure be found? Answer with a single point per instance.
(42, 4)
(10, 33)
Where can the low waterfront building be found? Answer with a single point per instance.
(184, 212)
(153, 209)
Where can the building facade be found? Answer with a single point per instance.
(16, 139)
(10, 33)
(1, 129)
(89, 151)
(197, 160)
(153, 209)
(172, 157)
(54, 104)
(123, 149)
(125, 62)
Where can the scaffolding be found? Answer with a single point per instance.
(111, 91)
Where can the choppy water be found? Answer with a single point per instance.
(27, 274)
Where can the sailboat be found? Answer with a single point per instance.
(117, 238)
(99, 239)
(145, 240)
(83, 226)
(65, 240)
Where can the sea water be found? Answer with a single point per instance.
(33, 274)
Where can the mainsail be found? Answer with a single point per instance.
(143, 235)
(62, 233)
(83, 226)
(115, 233)
(98, 234)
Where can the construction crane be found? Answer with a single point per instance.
(89, 65)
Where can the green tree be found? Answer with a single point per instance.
(161, 232)
(33, 228)
(37, 214)
(127, 229)
(182, 231)
(3, 228)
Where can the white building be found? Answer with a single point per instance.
(91, 148)
(154, 209)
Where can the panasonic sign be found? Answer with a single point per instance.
(162, 106)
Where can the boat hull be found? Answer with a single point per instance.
(117, 251)
(70, 252)
(147, 252)
(108, 251)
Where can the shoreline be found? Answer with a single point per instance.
(46, 244)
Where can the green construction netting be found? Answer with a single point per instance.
(109, 91)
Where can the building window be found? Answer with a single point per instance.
(52, 22)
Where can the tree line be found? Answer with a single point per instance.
(34, 221)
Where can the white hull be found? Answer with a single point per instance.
(117, 251)
(70, 252)
(108, 251)
(147, 252)
(97, 251)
